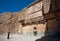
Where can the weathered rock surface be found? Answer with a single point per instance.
(8, 23)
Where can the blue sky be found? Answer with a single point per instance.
(13, 5)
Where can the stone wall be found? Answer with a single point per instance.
(4, 17)
(29, 29)
(9, 23)
(52, 15)
(30, 15)
(52, 22)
